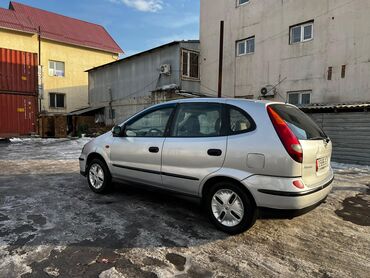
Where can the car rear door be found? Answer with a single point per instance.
(195, 148)
(316, 146)
(136, 156)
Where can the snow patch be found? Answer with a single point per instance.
(111, 273)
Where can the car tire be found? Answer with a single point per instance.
(99, 177)
(230, 208)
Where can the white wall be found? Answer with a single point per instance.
(341, 37)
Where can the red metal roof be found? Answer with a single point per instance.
(57, 27)
(16, 21)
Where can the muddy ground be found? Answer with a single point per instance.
(52, 225)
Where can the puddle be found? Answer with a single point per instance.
(356, 209)
(177, 260)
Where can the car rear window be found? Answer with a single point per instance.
(301, 125)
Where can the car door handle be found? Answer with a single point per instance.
(153, 149)
(214, 152)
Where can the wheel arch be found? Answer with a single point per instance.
(95, 155)
(216, 179)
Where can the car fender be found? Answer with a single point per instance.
(102, 148)
(234, 174)
(105, 153)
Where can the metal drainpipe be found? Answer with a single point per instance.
(110, 104)
(39, 54)
(220, 62)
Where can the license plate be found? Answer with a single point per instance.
(322, 163)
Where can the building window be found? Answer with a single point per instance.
(241, 2)
(299, 97)
(56, 68)
(246, 46)
(190, 64)
(57, 100)
(301, 33)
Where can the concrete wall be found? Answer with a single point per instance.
(77, 60)
(341, 37)
(129, 83)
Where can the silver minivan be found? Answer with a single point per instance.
(237, 156)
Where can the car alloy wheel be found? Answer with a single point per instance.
(227, 207)
(230, 207)
(96, 176)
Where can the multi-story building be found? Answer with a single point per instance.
(66, 48)
(303, 52)
(122, 88)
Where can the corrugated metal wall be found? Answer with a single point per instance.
(17, 115)
(18, 71)
(350, 133)
(133, 77)
(18, 92)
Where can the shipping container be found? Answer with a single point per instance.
(17, 114)
(18, 71)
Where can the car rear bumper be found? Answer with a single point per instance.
(268, 213)
(279, 193)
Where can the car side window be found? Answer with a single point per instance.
(239, 121)
(152, 124)
(197, 120)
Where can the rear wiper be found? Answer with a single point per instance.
(320, 138)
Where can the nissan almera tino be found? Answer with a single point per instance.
(237, 156)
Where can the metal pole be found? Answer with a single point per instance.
(220, 62)
(39, 38)
(39, 119)
(39, 66)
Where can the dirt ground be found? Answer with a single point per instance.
(52, 225)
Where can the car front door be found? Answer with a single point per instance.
(136, 155)
(195, 148)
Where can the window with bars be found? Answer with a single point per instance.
(190, 64)
(56, 100)
(330, 73)
(343, 71)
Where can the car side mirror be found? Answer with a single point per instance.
(117, 131)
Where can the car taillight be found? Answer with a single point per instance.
(287, 137)
(298, 184)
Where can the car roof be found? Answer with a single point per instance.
(241, 103)
(217, 100)
(234, 101)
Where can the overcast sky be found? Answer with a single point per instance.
(136, 25)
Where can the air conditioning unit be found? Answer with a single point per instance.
(165, 69)
(268, 91)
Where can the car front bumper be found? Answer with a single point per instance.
(279, 193)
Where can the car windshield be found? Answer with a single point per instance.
(301, 125)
